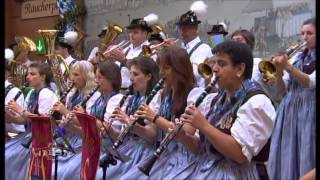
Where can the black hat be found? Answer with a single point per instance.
(155, 37)
(139, 23)
(218, 29)
(103, 31)
(189, 18)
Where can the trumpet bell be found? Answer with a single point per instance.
(205, 71)
(147, 51)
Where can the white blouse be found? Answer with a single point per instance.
(47, 98)
(132, 53)
(254, 123)
(114, 102)
(12, 127)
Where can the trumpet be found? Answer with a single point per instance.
(147, 165)
(121, 45)
(149, 50)
(268, 69)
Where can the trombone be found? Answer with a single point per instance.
(268, 69)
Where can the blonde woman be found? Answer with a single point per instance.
(83, 78)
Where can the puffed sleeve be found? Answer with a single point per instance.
(204, 106)
(195, 93)
(47, 98)
(253, 125)
(112, 104)
(312, 80)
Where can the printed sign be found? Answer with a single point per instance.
(39, 8)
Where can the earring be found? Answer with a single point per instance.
(239, 75)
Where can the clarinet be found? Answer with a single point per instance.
(147, 165)
(56, 114)
(60, 131)
(52, 114)
(122, 101)
(130, 125)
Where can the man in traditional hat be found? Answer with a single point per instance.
(138, 32)
(197, 50)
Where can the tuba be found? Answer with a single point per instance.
(113, 32)
(268, 69)
(54, 60)
(19, 70)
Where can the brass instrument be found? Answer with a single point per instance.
(54, 60)
(149, 50)
(157, 28)
(268, 69)
(121, 45)
(147, 165)
(19, 70)
(205, 71)
(113, 32)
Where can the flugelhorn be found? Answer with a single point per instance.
(147, 165)
(130, 125)
(268, 69)
(54, 60)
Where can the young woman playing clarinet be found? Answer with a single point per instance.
(108, 78)
(177, 162)
(144, 75)
(83, 93)
(234, 131)
(38, 101)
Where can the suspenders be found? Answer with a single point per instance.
(195, 48)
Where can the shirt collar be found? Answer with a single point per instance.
(192, 43)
